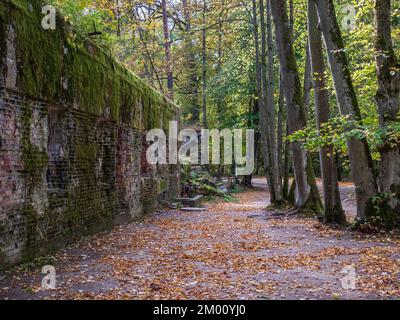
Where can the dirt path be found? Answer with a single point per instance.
(227, 252)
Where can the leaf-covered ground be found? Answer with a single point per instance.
(229, 251)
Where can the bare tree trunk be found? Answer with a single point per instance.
(279, 142)
(219, 102)
(287, 156)
(333, 206)
(307, 79)
(264, 119)
(261, 107)
(267, 114)
(307, 196)
(254, 125)
(286, 166)
(192, 82)
(250, 124)
(360, 157)
(204, 65)
(388, 100)
(271, 111)
(167, 47)
(338, 167)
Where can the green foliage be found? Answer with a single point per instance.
(338, 130)
(332, 133)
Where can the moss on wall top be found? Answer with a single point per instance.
(64, 67)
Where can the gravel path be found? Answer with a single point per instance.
(229, 251)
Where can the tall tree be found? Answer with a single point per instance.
(271, 110)
(333, 207)
(267, 113)
(167, 48)
(388, 100)
(362, 170)
(191, 79)
(260, 99)
(204, 64)
(279, 133)
(307, 195)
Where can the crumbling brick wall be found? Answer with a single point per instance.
(72, 142)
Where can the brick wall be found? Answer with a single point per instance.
(68, 169)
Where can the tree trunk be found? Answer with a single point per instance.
(307, 79)
(361, 164)
(333, 207)
(291, 17)
(281, 105)
(388, 100)
(250, 124)
(264, 119)
(307, 196)
(263, 133)
(267, 114)
(167, 48)
(204, 65)
(271, 111)
(191, 85)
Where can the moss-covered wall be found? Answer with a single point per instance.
(72, 137)
(62, 66)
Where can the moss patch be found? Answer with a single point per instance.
(63, 66)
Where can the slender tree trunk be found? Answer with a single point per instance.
(250, 124)
(338, 167)
(263, 133)
(333, 207)
(271, 111)
(192, 82)
(254, 125)
(267, 114)
(281, 105)
(288, 159)
(307, 196)
(360, 157)
(204, 65)
(286, 166)
(307, 79)
(388, 100)
(219, 102)
(167, 47)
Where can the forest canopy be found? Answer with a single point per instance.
(308, 76)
